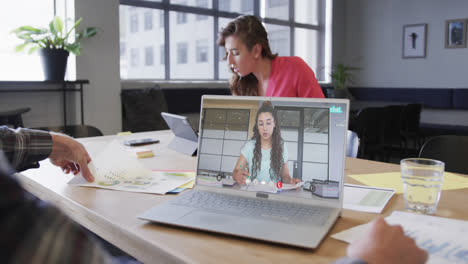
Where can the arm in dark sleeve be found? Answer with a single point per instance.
(25, 147)
(33, 231)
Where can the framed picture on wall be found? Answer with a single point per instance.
(455, 33)
(414, 41)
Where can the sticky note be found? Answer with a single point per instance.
(145, 154)
(124, 133)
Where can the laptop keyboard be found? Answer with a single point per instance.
(258, 208)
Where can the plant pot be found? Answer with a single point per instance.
(54, 63)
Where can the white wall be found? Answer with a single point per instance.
(373, 41)
(99, 62)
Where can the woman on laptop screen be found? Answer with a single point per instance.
(259, 72)
(264, 158)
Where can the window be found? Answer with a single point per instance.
(148, 20)
(277, 9)
(149, 56)
(224, 5)
(134, 57)
(276, 3)
(204, 4)
(181, 18)
(202, 50)
(22, 66)
(143, 62)
(161, 18)
(225, 132)
(279, 39)
(122, 49)
(246, 5)
(134, 23)
(189, 51)
(182, 53)
(162, 51)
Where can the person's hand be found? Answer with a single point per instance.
(240, 175)
(70, 155)
(295, 181)
(384, 243)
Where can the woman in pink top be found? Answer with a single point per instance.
(256, 70)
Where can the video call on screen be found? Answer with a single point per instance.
(227, 125)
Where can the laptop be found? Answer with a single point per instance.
(186, 139)
(295, 203)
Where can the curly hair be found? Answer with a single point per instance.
(276, 161)
(250, 31)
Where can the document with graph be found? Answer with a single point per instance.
(113, 168)
(446, 240)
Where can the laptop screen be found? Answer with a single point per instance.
(283, 146)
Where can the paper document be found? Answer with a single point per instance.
(446, 240)
(392, 180)
(114, 168)
(365, 198)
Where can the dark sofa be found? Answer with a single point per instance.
(445, 110)
(142, 107)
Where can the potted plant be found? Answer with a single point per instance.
(54, 44)
(342, 76)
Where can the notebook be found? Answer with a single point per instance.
(287, 189)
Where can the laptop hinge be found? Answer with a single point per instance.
(262, 195)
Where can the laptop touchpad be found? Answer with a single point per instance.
(202, 219)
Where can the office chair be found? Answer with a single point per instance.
(141, 109)
(409, 130)
(369, 128)
(451, 149)
(352, 144)
(13, 118)
(76, 131)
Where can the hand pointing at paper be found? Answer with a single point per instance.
(383, 243)
(70, 155)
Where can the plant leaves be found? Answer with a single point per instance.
(58, 25)
(53, 37)
(31, 30)
(89, 32)
(21, 47)
(74, 48)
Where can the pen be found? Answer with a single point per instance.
(248, 180)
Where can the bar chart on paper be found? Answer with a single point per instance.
(446, 240)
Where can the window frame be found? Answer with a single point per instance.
(166, 6)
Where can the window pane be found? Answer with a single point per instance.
(307, 46)
(21, 66)
(238, 6)
(197, 3)
(143, 42)
(182, 52)
(307, 11)
(204, 4)
(134, 59)
(191, 52)
(148, 20)
(276, 9)
(224, 71)
(279, 39)
(202, 50)
(149, 56)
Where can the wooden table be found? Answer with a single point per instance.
(112, 215)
